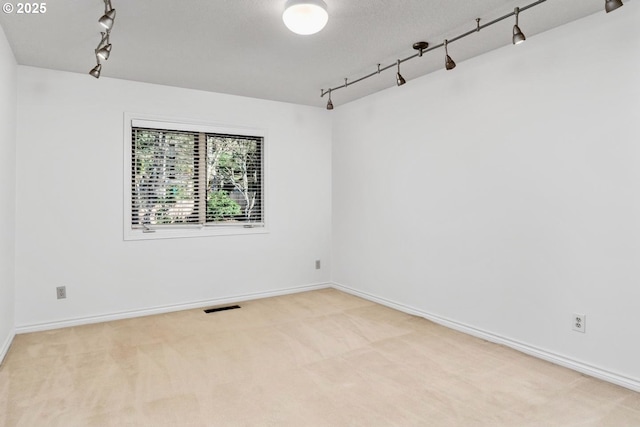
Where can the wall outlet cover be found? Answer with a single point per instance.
(579, 322)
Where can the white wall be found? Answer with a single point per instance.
(8, 105)
(505, 194)
(69, 227)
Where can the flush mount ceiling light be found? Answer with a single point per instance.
(305, 17)
(611, 5)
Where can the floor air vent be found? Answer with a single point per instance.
(213, 310)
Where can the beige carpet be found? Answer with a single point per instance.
(321, 358)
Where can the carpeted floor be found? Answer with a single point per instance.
(321, 358)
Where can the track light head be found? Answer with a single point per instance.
(106, 21)
(448, 62)
(104, 52)
(329, 105)
(109, 16)
(305, 17)
(518, 35)
(399, 79)
(611, 5)
(95, 71)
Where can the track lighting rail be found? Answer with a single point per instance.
(422, 51)
(103, 50)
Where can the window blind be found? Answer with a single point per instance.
(182, 178)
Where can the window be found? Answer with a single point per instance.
(190, 177)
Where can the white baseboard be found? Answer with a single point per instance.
(37, 327)
(594, 371)
(5, 346)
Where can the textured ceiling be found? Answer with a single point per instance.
(242, 47)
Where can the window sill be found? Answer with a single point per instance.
(181, 233)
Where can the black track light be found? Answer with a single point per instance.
(423, 47)
(518, 35)
(329, 103)
(611, 5)
(399, 79)
(95, 71)
(448, 62)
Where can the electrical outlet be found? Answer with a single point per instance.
(61, 292)
(579, 322)
(317, 264)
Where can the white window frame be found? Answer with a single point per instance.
(185, 231)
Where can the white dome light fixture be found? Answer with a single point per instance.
(305, 17)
